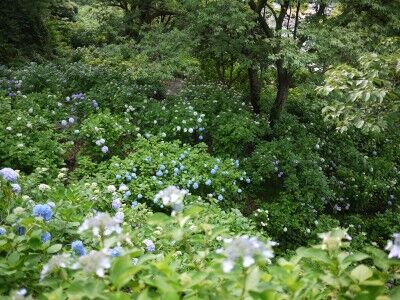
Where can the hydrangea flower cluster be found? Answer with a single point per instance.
(394, 246)
(44, 211)
(3, 231)
(9, 175)
(114, 252)
(171, 197)
(100, 142)
(100, 224)
(247, 249)
(95, 262)
(78, 248)
(150, 247)
(55, 263)
(333, 240)
(46, 236)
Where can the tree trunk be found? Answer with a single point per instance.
(144, 12)
(283, 78)
(254, 85)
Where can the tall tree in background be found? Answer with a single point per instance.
(280, 23)
(139, 13)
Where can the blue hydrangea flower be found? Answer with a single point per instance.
(46, 236)
(200, 137)
(239, 191)
(208, 182)
(3, 231)
(213, 171)
(139, 196)
(78, 248)
(21, 230)
(159, 173)
(220, 197)
(117, 177)
(127, 194)
(104, 149)
(9, 174)
(16, 188)
(95, 105)
(114, 252)
(150, 247)
(44, 211)
(134, 204)
(162, 167)
(195, 185)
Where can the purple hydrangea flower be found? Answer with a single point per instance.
(9, 174)
(16, 188)
(150, 247)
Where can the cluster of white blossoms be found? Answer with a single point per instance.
(171, 197)
(248, 249)
(60, 261)
(333, 240)
(95, 262)
(101, 224)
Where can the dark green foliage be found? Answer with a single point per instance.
(23, 31)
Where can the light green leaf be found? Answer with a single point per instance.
(54, 248)
(361, 273)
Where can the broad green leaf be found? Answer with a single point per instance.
(158, 219)
(54, 248)
(122, 271)
(361, 273)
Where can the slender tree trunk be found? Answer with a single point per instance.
(283, 77)
(254, 85)
(144, 14)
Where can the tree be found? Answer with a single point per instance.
(223, 33)
(365, 95)
(280, 24)
(139, 13)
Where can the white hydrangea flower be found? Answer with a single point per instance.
(43, 187)
(100, 224)
(332, 240)
(111, 188)
(95, 262)
(171, 197)
(247, 249)
(55, 263)
(394, 246)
